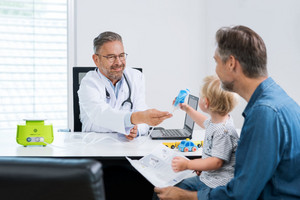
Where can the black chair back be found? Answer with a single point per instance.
(78, 74)
(51, 178)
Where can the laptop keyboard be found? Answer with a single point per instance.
(172, 133)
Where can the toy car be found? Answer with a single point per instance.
(187, 145)
(198, 143)
(171, 145)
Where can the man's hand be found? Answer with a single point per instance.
(132, 134)
(151, 117)
(174, 193)
(179, 164)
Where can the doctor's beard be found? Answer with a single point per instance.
(115, 75)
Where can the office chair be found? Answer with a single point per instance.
(50, 178)
(78, 74)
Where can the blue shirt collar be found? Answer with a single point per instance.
(257, 93)
(118, 84)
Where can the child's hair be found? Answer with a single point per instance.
(220, 101)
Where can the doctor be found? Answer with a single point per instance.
(112, 97)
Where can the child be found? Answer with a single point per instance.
(216, 167)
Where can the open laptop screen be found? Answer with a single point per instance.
(193, 102)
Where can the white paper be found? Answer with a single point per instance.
(156, 167)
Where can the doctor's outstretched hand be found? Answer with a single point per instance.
(151, 117)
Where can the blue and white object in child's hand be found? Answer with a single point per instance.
(181, 97)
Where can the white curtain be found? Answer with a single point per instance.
(33, 62)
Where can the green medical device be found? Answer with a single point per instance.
(34, 132)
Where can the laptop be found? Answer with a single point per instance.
(160, 133)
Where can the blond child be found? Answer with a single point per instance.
(216, 167)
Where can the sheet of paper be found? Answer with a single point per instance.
(156, 167)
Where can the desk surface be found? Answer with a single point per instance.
(77, 144)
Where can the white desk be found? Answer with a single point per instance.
(105, 145)
(108, 148)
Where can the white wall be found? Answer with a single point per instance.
(173, 41)
(165, 38)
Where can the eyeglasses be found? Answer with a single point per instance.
(112, 58)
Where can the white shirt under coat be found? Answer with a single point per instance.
(101, 114)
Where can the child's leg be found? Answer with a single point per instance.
(192, 184)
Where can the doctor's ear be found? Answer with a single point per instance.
(96, 59)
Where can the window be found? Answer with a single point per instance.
(33, 62)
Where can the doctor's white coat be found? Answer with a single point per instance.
(101, 114)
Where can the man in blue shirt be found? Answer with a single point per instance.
(268, 153)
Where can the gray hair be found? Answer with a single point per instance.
(246, 46)
(105, 37)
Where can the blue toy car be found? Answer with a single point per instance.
(187, 145)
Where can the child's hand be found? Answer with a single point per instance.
(174, 101)
(179, 164)
(183, 106)
(197, 172)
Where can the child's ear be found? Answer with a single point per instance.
(206, 102)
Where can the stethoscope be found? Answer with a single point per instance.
(128, 100)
